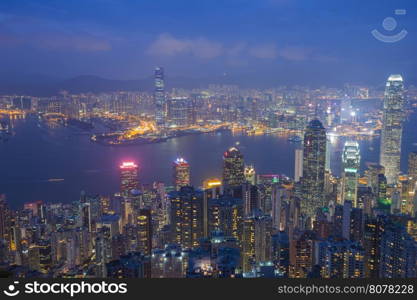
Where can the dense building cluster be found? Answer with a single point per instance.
(245, 224)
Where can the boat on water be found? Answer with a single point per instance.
(55, 179)
(112, 140)
(295, 139)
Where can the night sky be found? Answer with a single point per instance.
(295, 42)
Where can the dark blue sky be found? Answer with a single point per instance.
(304, 41)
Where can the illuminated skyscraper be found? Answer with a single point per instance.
(250, 196)
(128, 177)
(314, 158)
(382, 200)
(159, 98)
(398, 253)
(233, 168)
(3, 217)
(350, 168)
(144, 225)
(256, 240)
(265, 185)
(412, 168)
(373, 230)
(372, 173)
(298, 172)
(179, 111)
(250, 174)
(225, 214)
(412, 175)
(186, 217)
(392, 127)
(328, 157)
(340, 259)
(181, 172)
(213, 189)
(301, 255)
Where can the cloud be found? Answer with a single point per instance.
(268, 51)
(237, 49)
(50, 35)
(239, 53)
(75, 42)
(167, 45)
(295, 53)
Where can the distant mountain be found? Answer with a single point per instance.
(39, 85)
(95, 84)
(46, 86)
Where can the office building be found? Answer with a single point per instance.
(159, 98)
(392, 127)
(233, 168)
(314, 157)
(350, 168)
(181, 173)
(128, 177)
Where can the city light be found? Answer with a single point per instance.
(250, 139)
(128, 165)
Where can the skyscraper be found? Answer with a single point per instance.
(250, 196)
(373, 230)
(144, 225)
(372, 173)
(314, 158)
(233, 168)
(301, 254)
(298, 172)
(382, 200)
(3, 217)
(159, 98)
(186, 214)
(256, 240)
(250, 174)
(128, 177)
(412, 168)
(225, 214)
(392, 127)
(350, 168)
(181, 173)
(398, 253)
(179, 111)
(340, 259)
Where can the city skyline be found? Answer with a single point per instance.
(314, 225)
(209, 139)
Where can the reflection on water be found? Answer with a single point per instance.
(37, 154)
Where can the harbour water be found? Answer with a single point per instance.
(55, 164)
